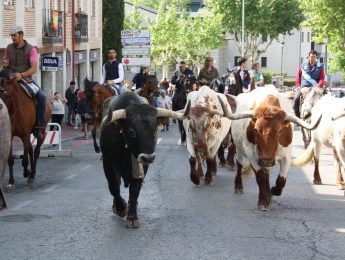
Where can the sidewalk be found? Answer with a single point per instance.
(67, 133)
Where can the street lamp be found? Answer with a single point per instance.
(325, 41)
(281, 63)
(242, 41)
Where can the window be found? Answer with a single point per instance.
(321, 59)
(264, 62)
(308, 37)
(264, 38)
(8, 2)
(236, 60)
(29, 4)
(302, 36)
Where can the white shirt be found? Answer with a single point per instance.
(58, 107)
(115, 81)
(164, 102)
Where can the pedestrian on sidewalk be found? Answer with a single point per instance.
(58, 109)
(84, 109)
(71, 97)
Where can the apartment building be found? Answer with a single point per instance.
(48, 25)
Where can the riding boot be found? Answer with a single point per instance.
(296, 103)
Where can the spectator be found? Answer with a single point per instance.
(208, 72)
(164, 101)
(85, 112)
(58, 109)
(70, 97)
(256, 76)
(340, 93)
(243, 73)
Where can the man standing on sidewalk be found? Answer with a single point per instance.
(70, 96)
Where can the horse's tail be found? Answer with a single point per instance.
(88, 88)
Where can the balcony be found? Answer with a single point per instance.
(81, 27)
(52, 26)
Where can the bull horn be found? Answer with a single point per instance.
(338, 116)
(230, 115)
(179, 115)
(118, 114)
(302, 123)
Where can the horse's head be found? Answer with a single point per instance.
(217, 84)
(7, 85)
(309, 97)
(233, 82)
(151, 86)
(188, 83)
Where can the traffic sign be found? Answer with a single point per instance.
(145, 51)
(135, 34)
(135, 41)
(136, 61)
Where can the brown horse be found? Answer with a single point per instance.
(97, 94)
(22, 111)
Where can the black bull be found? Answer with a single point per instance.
(128, 141)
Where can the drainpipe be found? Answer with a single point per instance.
(73, 40)
(64, 25)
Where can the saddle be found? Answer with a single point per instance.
(29, 88)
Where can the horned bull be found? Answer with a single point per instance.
(5, 146)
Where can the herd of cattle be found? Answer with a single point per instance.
(258, 123)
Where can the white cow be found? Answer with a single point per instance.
(206, 129)
(263, 138)
(330, 133)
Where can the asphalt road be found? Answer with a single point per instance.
(67, 214)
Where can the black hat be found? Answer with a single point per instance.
(72, 83)
(182, 62)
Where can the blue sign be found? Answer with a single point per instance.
(50, 63)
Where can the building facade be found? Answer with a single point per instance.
(48, 25)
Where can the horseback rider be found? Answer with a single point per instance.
(208, 72)
(21, 61)
(177, 79)
(310, 74)
(140, 78)
(113, 73)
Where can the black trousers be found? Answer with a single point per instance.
(56, 118)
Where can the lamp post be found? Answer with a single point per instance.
(325, 40)
(242, 41)
(281, 63)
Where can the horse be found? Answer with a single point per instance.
(179, 101)
(5, 146)
(98, 93)
(218, 85)
(23, 115)
(308, 99)
(233, 84)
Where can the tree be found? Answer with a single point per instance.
(113, 19)
(327, 17)
(134, 20)
(176, 35)
(265, 20)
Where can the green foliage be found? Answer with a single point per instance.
(113, 18)
(289, 82)
(327, 17)
(133, 21)
(269, 74)
(262, 18)
(175, 35)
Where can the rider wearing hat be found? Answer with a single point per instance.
(208, 72)
(21, 61)
(179, 75)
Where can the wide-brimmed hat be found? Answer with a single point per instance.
(16, 29)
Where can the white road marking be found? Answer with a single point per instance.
(86, 167)
(71, 176)
(50, 189)
(340, 230)
(21, 205)
(159, 140)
